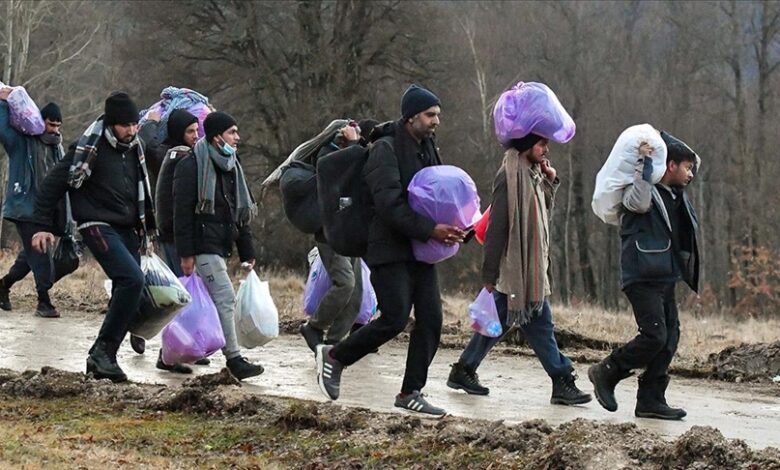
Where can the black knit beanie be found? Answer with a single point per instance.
(216, 123)
(51, 112)
(120, 109)
(178, 122)
(417, 99)
(525, 143)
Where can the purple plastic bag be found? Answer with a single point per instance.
(196, 332)
(178, 98)
(319, 282)
(484, 315)
(23, 113)
(531, 108)
(447, 195)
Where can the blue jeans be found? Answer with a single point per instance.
(171, 257)
(538, 332)
(117, 252)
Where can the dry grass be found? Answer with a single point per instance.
(82, 292)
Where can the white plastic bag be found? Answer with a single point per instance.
(618, 170)
(257, 320)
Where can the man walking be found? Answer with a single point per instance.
(515, 269)
(106, 178)
(403, 148)
(658, 230)
(29, 160)
(212, 210)
(340, 305)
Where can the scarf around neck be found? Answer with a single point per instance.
(522, 267)
(207, 157)
(86, 154)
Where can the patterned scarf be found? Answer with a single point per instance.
(522, 267)
(207, 157)
(86, 153)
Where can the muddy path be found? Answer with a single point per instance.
(519, 388)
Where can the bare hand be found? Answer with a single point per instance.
(550, 172)
(4, 92)
(448, 234)
(42, 241)
(248, 265)
(490, 287)
(645, 149)
(188, 265)
(350, 134)
(153, 116)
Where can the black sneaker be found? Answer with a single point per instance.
(565, 391)
(312, 335)
(417, 403)
(328, 372)
(462, 378)
(202, 362)
(177, 368)
(5, 301)
(137, 343)
(101, 363)
(243, 369)
(45, 310)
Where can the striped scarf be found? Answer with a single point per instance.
(86, 153)
(522, 267)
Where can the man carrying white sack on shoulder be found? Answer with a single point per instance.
(516, 261)
(658, 232)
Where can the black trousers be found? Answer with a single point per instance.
(655, 311)
(399, 287)
(30, 260)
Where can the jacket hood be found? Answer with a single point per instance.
(178, 122)
(383, 130)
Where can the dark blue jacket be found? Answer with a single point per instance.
(23, 168)
(647, 252)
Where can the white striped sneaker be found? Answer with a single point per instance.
(416, 402)
(328, 372)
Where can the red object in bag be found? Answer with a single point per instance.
(480, 228)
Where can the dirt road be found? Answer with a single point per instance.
(519, 387)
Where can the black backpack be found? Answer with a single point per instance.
(298, 184)
(344, 200)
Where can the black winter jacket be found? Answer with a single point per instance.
(163, 193)
(109, 195)
(197, 234)
(647, 252)
(395, 157)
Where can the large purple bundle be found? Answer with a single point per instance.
(531, 108)
(178, 98)
(196, 332)
(447, 195)
(23, 113)
(319, 282)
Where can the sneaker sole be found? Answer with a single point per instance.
(457, 386)
(596, 392)
(658, 416)
(578, 401)
(419, 414)
(318, 358)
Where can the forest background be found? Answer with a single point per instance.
(707, 72)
